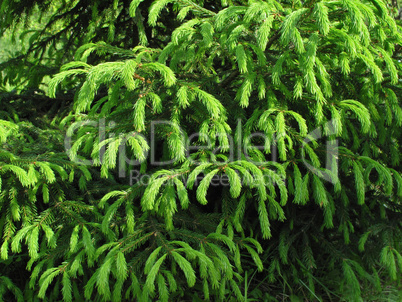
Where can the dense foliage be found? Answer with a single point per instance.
(194, 150)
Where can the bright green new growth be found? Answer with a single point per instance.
(267, 87)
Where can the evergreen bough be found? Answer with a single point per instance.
(296, 110)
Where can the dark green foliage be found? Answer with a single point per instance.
(278, 143)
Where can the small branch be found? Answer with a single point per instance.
(231, 77)
(273, 39)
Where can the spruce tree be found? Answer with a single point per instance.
(201, 150)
